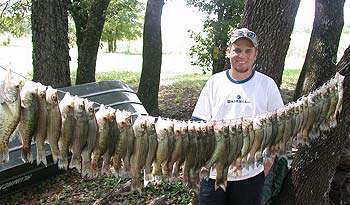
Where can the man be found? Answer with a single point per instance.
(234, 93)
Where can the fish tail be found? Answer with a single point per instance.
(63, 163)
(4, 156)
(75, 163)
(26, 155)
(41, 157)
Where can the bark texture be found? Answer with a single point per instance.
(88, 40)
(50, 42)
(321, 55)
(273, 22)
(152, 57)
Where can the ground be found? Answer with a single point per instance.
(177, 98)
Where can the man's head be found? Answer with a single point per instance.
(242, 50)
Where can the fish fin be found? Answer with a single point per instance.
(63, 164)
(27, 156)
(4, 156)
(41, 157)
(75, 163)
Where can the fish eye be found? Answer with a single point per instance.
(91, 109)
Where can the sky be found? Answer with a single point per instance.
(177, 18)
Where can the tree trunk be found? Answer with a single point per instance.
(313, 168)
(340, 187)
(152, 57)
(50, 42)
(89, 40)
(110, 46)
(220, 42)
(322, 51)
(114, 46)
(273, 22)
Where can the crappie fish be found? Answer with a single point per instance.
(138, 159)
(10, 112)
(67, 129)
(29, 119)
(91, 139)
(113, 136)
(80, 136)
(190, 161)
(164, 129)
(178, 144)
(54, 120)
(124, 123)
(152, 148)
(258, 137)
(184, 151)
(40, 134)
(103, 137)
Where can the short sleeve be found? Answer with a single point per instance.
(274, 97)
(203, 109)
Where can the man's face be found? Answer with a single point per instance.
(242, 55)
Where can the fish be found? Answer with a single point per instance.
(10, 112)
(79, 139)
(325, 107)
(310, 118)
(123, 120)
(236, 164)
(258, 138)
(184, 151)
(332, 107)
(54, 120)
(103, 137)
(130, 148)
(152, 149)
(178, 144)
(246, 127)
(138, 159)
(113, 137)
(91, 139)
(163, 129)
(218, 159)
(280, 128)
(340, 79)
(190, 160)
(288, 129)
(28, 120)
(222, 133)
(66, 106)
(40, 133)
(268, 139)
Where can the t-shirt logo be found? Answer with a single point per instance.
(238, 100)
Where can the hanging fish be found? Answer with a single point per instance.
(54, 120)
(10, 112)
(29, 119)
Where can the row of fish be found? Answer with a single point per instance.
(113, 142)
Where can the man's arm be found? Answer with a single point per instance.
(203, 108)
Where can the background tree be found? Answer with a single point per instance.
(321, 55)
(152, 57)
(50, 42)
(210, 44)
(273, 22)
(15, 17)
(123, 22)
(89, 17)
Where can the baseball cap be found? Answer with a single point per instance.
(243, 33)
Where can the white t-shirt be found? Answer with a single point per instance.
(224, 98)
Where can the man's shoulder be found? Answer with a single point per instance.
(217, 77)
(264, 78)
